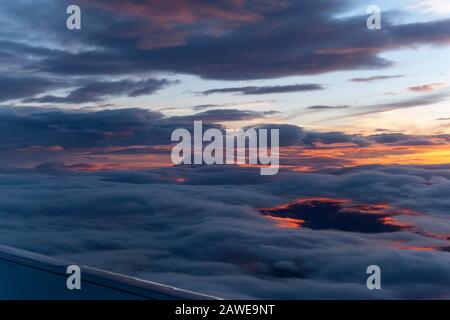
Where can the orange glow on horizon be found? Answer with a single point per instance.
(402, 246)
(379, 154)
(287, 223)
(296, 158)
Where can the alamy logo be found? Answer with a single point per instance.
(231, 149)
(74, 278)
(374, 280)
(374, 20)
(73, 21)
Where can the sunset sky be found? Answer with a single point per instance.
(86, 118)
(312, 64)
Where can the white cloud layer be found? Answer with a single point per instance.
(431, 6)
(207, 235)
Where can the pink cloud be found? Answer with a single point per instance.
(166, 22)
(42, 149)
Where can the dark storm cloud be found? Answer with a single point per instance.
(19, 87)
(375, 78)
(31, 126)
(273, 40)
(97, 91)
(81, 129)
(266, 89)
(197, 17)
(24, 127)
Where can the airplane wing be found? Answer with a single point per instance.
(30, 276)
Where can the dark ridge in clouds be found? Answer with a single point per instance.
(97, 91)
(233, 104)
(428, 87)
(401, 139)
(82, 128)
(31, 127)
(57, 167)
(220, 115)
(443, 119)
(390, 137)
(25, 127)
(273, 40)
(291, 135)
(271, 112)
(375, 78)
(327, 107)
(19, 87)
(426, 141)
(206, 106)
(266, 89)
(382, 130)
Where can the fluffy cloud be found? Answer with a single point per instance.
(97, 91)
(431, 6)
(200, 228)
(33, 129)
(291, 135)
(208, 235)
(25, 127)
(19, 87)
(224, 39)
